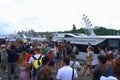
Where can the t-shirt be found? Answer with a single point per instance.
(100, 70)
(76, 64)
(28, 56)
(31, 60)
(102, 52)
(45, 51)
(65, 73)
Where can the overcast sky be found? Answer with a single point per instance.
(56, 15)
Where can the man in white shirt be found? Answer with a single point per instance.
(66, 72)
(74, 63)
(31, 60)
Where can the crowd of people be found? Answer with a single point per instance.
(36, 61)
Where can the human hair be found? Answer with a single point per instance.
(66, 60)
(44, 74)
(89, 44)
(91, 48)
(100, 46)
(107, 57)
(12, 47)
(111, 56)
(45, 60)
(102, 59)
(22, 57)
(72, 56)
(36, 50)
(107, 48)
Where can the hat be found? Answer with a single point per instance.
(108, 78)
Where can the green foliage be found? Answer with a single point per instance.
(98, 31)
(104, 31)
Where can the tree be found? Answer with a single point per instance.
(74, 28)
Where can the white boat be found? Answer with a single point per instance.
(38, 39)
(95, 40)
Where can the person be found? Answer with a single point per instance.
(108, 51)
(89, 45)
(101, 69)
(58, 57)
(12, 61)
(101, 51)
(67, 72)
(44, 72)
(75, 49)
(0, 59)
(31, 61)
(50, 55)
(3, 58)
(45, 49)
(89, 59)
(74, 63)
(24, 67)
(68, 48)
(110, 65)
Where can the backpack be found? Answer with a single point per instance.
(37, 62)
(69, 49)
(50, 55)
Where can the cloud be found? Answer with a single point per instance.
(57, 15)
(5, 27)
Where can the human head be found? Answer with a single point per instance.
(102, 59)
(107, 49)
(44, 74)
(66, 60)
(22, 57)
(12, 47)
(36, 51)
(45, 60)
(100, 47)
(110, 57)
(72, 57)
